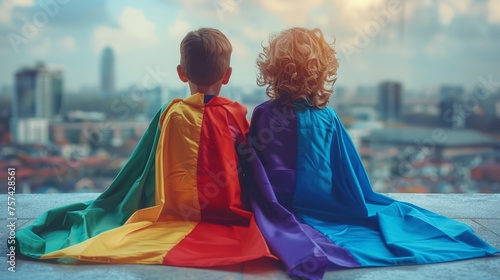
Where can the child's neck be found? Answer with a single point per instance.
(213, 89)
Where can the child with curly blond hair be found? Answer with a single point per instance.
(311, 195)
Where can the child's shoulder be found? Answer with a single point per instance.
(228, 104)
(267, 106)
(171, 103)
(234, 112)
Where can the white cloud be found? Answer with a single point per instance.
(463, 6)
(450, 9)
(42, 49)
(435, 47)
(321, 21)
(136, 24)
(446, 13)
(135, 32)
(296, 13)
(363, 4)
(219, 10)
(225, 8)
(179, 28)
(69, 44)
(493, 11)
(22, 3)
(240, 49)
(7, 6)
(255, 34)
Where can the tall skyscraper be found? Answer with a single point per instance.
(108, 71)
(450, 115)
(38, 92)
(37, 100)
(389, 101)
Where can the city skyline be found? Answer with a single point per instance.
(420, 44)
(437, 143)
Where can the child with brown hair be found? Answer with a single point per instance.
(177, 201)
(312, 198)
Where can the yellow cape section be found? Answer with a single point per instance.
(150, 233)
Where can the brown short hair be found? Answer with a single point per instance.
(298, 64)
(205, 56)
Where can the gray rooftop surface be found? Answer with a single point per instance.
(480, 211)
(438, 137)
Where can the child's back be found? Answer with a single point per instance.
(313, 196)
(197, 147)
(177, 201)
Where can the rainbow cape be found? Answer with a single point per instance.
(315, 206)
(176, 201)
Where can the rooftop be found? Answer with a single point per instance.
(438, 137)
(480, 211)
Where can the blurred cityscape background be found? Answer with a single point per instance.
(434, 128)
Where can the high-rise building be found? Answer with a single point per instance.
(37, 100)
(108, 71)
(389, 101)
(450, 114)
(38, 92)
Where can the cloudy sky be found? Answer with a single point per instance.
(420, 43)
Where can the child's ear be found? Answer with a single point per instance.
(181, 74)
(227, 75)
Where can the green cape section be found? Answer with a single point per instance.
(132, 189)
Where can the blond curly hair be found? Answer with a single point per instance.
(298, 64)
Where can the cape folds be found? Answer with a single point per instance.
(315, 205)
(176, 201)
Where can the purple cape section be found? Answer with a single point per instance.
(314, 203)
(282, 230)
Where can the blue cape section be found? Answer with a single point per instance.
(333, 195)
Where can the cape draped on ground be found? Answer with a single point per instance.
(175, 202)
(316, 208)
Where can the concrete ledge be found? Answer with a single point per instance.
(480, 211)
